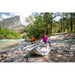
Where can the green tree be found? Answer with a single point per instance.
(37, 28)
(30, 19)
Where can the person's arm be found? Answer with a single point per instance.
(41, 41)
(47, 39)
(31, 39)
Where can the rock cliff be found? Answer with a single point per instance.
(12, 23)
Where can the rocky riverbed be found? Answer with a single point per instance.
(62, 50)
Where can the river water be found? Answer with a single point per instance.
(5, 43)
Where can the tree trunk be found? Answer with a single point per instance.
(63, 23)
(0, 26)
(47, 29)
(51, 24)
(71, 21)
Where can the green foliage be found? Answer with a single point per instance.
(37, 28)
(9, 37)
(1, 36)
(24, 36)
(4, 32)
(30, 19)
(7, 34)
(59, 31)
(0, 26)
(41, 23)
(25, 30)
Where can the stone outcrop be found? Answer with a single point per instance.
(12, 23)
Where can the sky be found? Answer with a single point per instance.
(23, 15)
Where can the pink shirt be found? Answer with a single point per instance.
(44, 39)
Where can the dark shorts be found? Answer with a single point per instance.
(46, 42)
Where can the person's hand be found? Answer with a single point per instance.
(41, 41)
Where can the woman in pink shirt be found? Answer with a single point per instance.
(45, 40)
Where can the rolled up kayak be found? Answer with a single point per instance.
(40, 50)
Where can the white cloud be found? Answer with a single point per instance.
(3, 16)
(57, 18)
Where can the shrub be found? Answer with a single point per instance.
(10, 37)
(1, 36)
(58, 31)
(7, 34)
